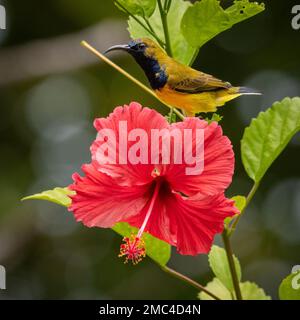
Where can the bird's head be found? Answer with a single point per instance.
(140, 49)
(150, 56)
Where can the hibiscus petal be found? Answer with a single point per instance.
(198, 220)
(136, 117)
(218, 161)
(100, 201)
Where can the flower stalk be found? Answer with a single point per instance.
(229, 253)
(186, 279)
(248, 200)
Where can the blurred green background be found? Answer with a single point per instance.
(51, 89)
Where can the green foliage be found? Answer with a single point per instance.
(182, 51)
(239, 203)
(206, 19)
(219, 264)
(289, 288)
(58, 195)
(143, 8)
(268, 135)
(215, 117)
(222, 285)
(249, 290)
(156, 249)
(190, 26)
(171, 117)
(216, 287)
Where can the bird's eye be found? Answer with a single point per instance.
(142, 45)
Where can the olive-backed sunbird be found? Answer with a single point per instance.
(177, 84)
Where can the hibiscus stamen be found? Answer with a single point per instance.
(133, 247)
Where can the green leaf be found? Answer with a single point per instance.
(289, 288)
(249, 290)
(219, 264)
(206, 19)
(268, 135)
(138, 7)
(216, 287)
(156, 249)
(58, 195)
(182, 51)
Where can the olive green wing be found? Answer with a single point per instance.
(202, 82)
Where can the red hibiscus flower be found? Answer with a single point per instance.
(184, 210)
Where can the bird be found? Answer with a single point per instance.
(179, 85)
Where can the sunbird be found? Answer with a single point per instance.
(179, 85)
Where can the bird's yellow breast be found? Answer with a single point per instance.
(191, 103)
(196, 102)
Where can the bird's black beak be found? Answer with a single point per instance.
(124, 47)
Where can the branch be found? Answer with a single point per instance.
(186, 279)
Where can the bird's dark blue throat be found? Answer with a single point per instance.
(155, 73)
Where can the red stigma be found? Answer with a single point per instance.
(133, 249)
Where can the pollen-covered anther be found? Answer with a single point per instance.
(133, 249)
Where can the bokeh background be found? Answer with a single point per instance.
(51, 89)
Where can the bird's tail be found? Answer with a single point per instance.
(224, 96)
(248, 91)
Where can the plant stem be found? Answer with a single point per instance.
(231, 263)
(150, 30)
(148, 24)
(248, 199)
(126, 74)
(168, 5)
(164, 20)
(251, 193)
(171, 113)
(186, 279)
